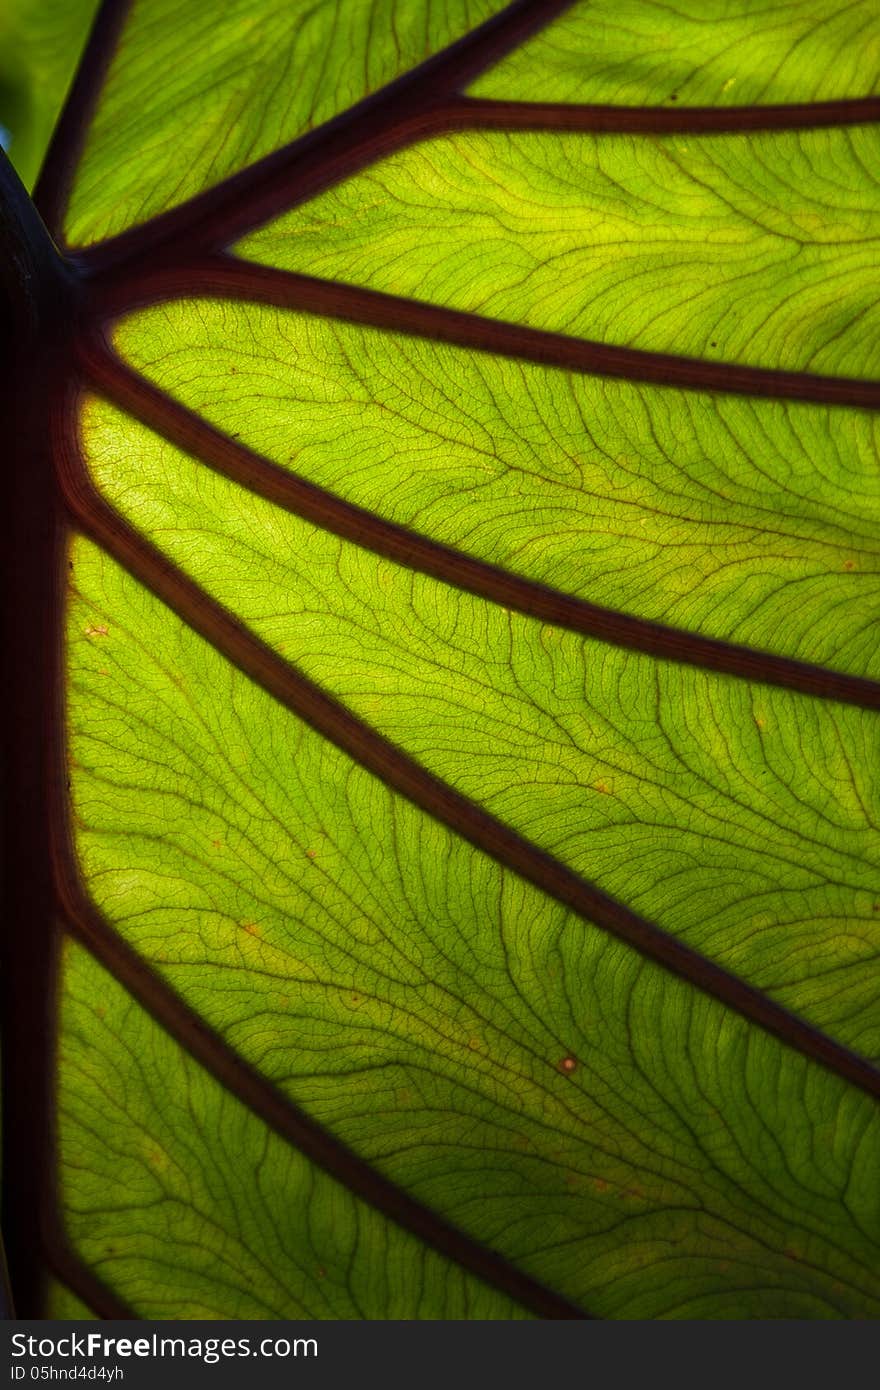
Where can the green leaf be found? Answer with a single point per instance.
(39, 48)
(465, 894)
(255, 77)
(64, 1306)
(698, 54)
(723, 248)
(206, 1167)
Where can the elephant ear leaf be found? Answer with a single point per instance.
(455, 625)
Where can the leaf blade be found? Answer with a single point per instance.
(716, 246)
(407, 670)
(742, 1204)
(636, 54)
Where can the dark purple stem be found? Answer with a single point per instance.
(38, 298)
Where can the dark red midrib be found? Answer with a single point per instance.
(90, 513)
(195, 436)
(33, 778)
(33, 289)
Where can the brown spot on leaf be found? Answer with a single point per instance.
(567, 1065)
(96, 630)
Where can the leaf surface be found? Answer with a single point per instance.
(39, 49)
(641, 53)
(464, 834)
(255, 77)
(759, 251)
